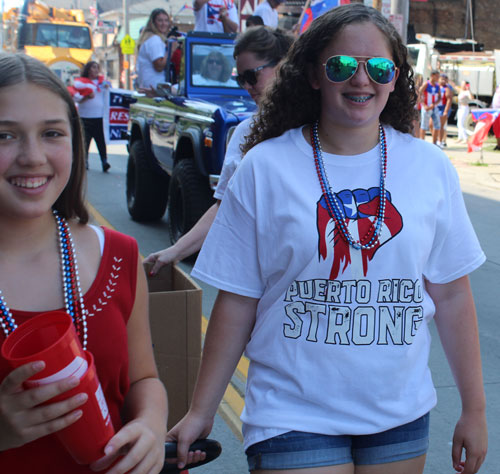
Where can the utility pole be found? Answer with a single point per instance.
(400, 10)
(2, 25)
(126, 57)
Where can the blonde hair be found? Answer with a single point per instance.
(150, 29)
(226, 70)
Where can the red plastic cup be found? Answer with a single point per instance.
(51, 337)
(86, 438)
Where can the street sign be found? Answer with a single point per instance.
(127, 45)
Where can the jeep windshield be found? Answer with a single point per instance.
(213, 65)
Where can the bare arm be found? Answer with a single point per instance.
(456, 322)
(229, 329)
(229, 25)
(187, 245)
(145, 409)
(421, 95)
(160, 63)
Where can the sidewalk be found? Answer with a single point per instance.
(477, 167)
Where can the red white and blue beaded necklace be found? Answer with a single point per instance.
(73, 298)
(371, 238)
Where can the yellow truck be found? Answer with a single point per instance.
(58, 37)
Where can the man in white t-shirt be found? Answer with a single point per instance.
(267, 11)
(215, 16)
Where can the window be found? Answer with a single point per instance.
(213, 66)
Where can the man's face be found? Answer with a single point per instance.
(434, 78)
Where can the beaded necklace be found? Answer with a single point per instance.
(73, 298)
(371, 238)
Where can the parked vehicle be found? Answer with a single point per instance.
(178, 139)
(58, 37)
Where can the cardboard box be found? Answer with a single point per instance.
(175, 317)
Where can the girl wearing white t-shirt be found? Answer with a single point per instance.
(152, 54)
(339, 239)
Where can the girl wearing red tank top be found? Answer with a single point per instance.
(42, 212)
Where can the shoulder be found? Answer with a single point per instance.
(274, 151)
(155, 40)
(120, 242)
(244, 125)
(424, 155)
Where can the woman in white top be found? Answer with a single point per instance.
(152, 53)
(464, 98)
(91, 109)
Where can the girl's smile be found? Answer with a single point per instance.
(358, 101)
(35, 149)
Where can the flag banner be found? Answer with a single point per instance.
(485, 119)
(184, 7)
(94, 9)
(116, 111)
(317, 8)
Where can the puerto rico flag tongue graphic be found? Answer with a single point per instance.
(360, 208)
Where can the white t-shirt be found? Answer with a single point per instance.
(233, 156)
(495, 103)
(341, 339)
(207, 17)
(152, 49)
(267, 13)
(93, 108)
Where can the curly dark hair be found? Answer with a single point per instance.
(268, 44)
(292, 102)
(86, 68)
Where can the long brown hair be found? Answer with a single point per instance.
(18, 68)
(150, 28)
(291, 102)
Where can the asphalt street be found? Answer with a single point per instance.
(480, 180)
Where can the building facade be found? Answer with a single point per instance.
(452, 19)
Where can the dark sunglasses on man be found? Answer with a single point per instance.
(250, 77)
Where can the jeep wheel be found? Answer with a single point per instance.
(147, 191)
(189, 198)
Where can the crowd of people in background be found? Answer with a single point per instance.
(436, 94)
(340, 102)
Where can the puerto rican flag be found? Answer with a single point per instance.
(485, 119)
(213, 10)
(83, 86)
(360, 208)
(317, 8)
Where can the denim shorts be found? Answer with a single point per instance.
(298, 450)
(427, 115)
